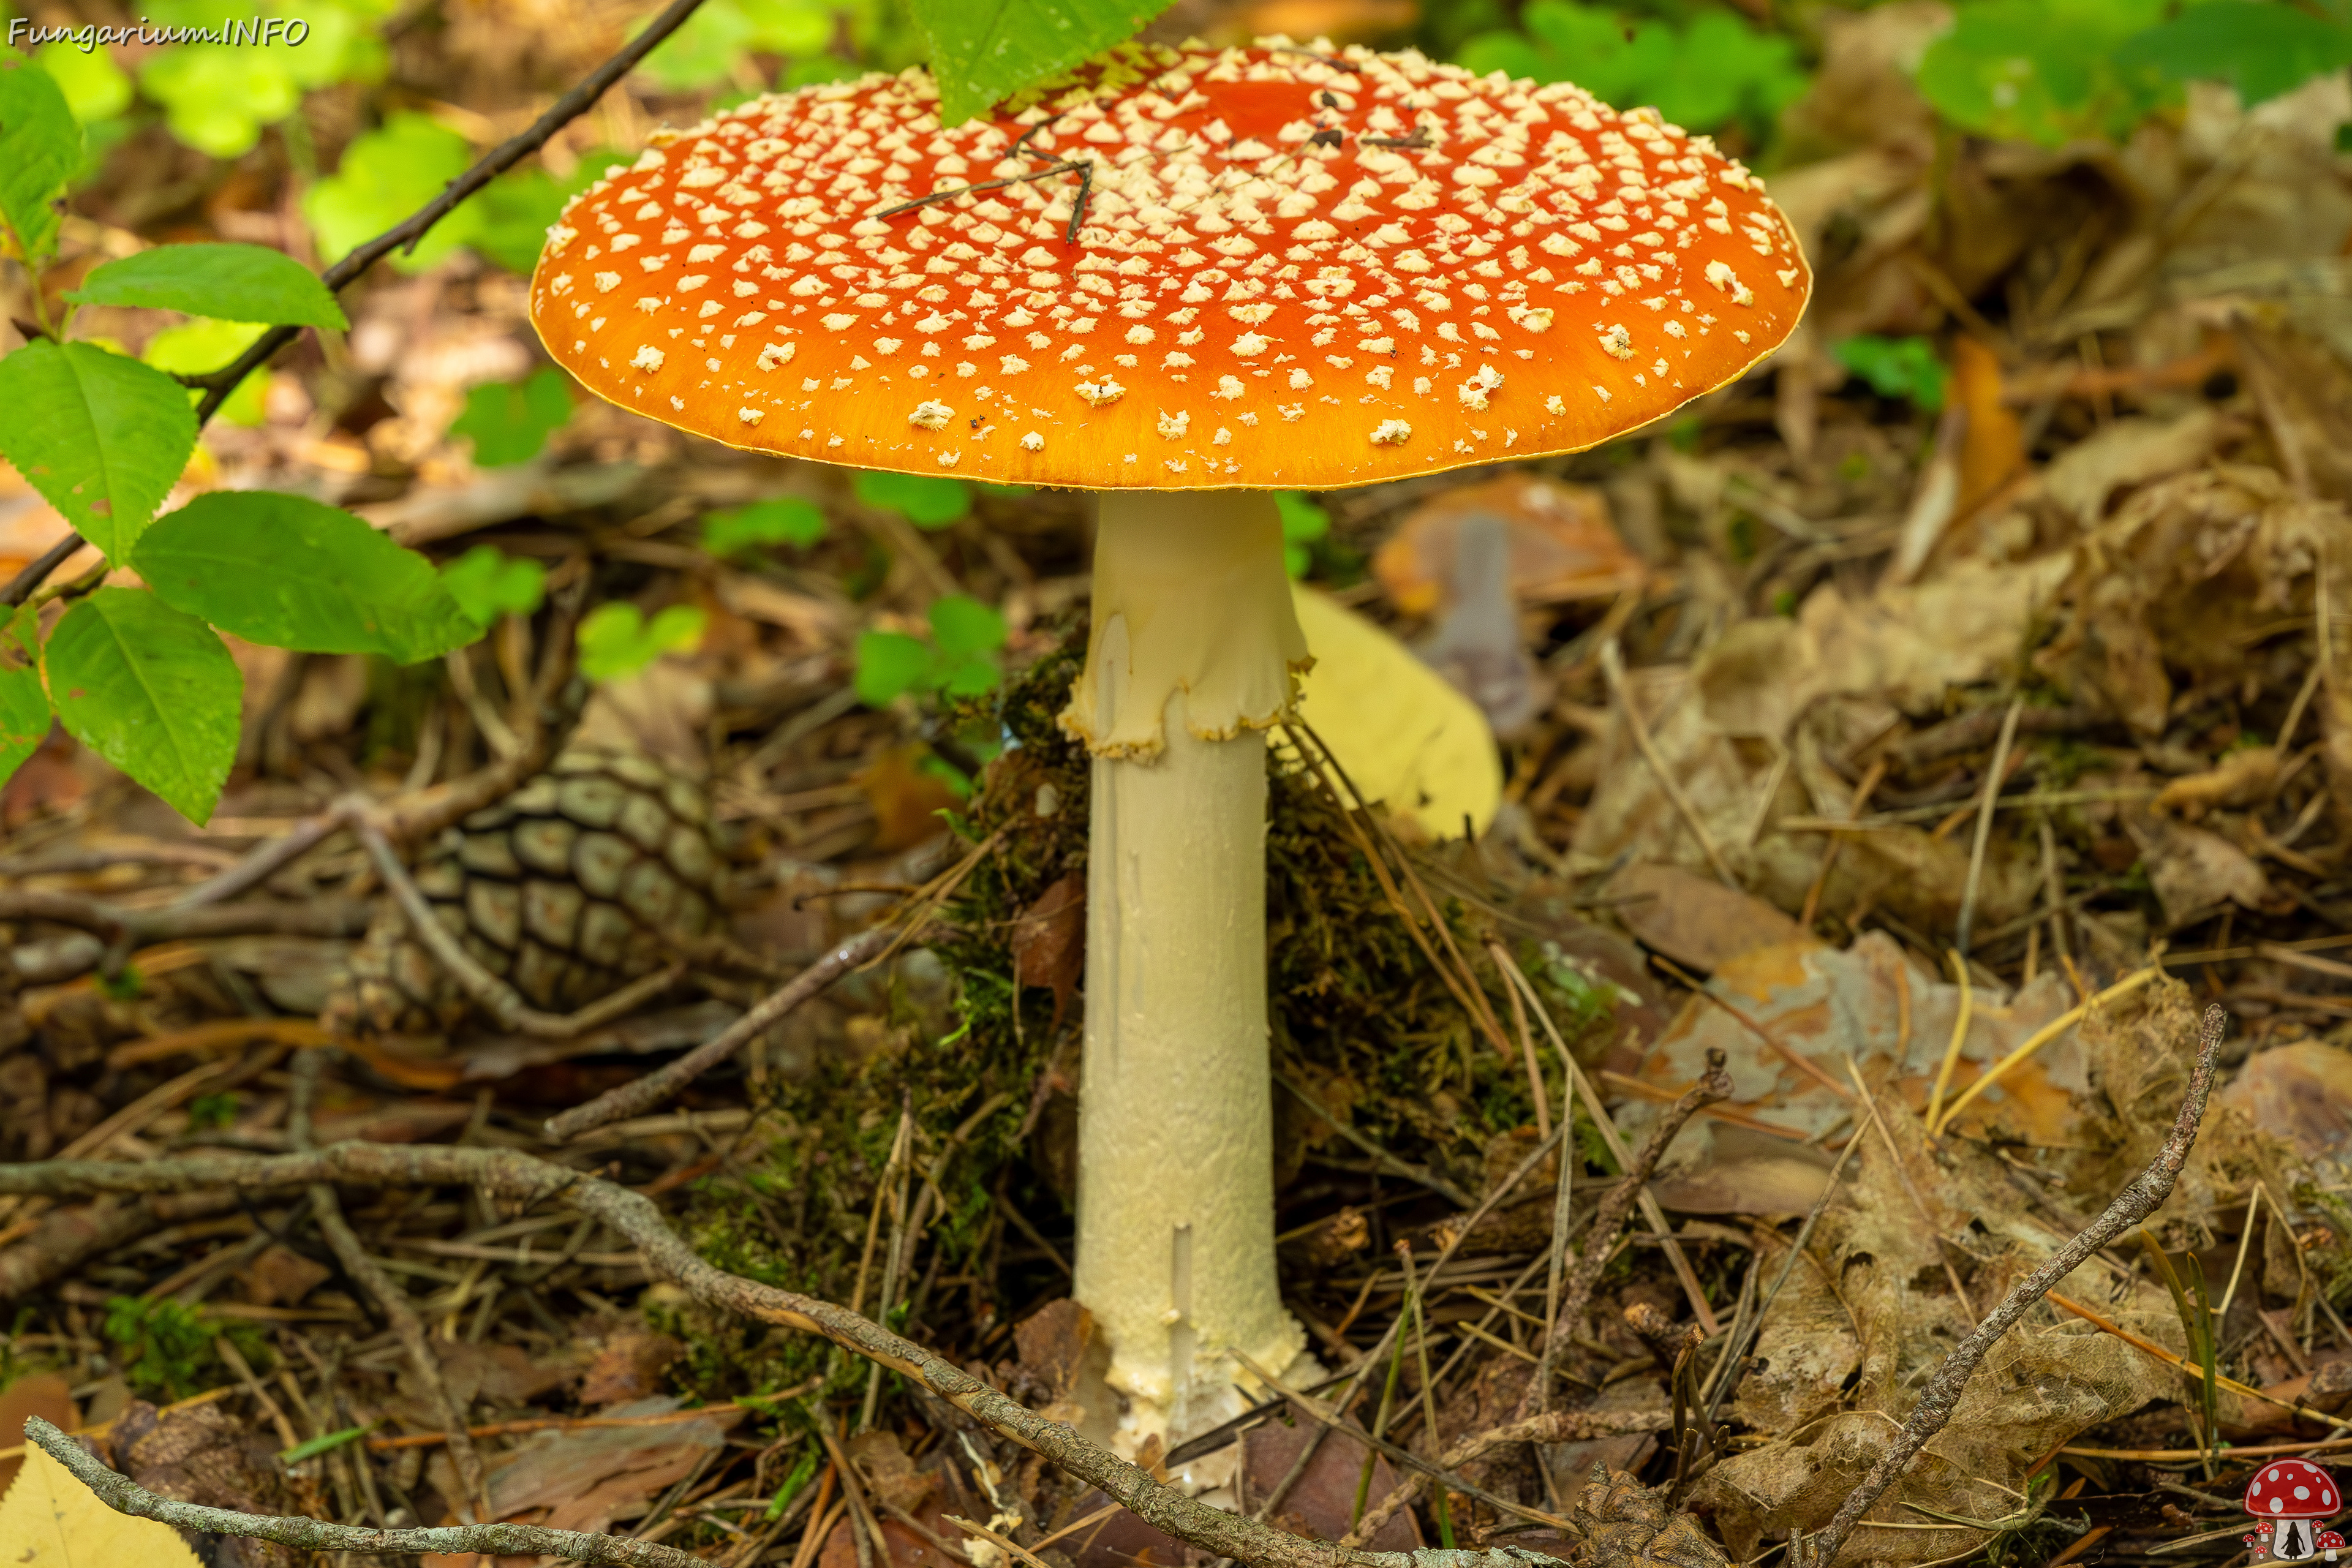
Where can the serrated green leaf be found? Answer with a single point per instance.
(738, 530)
(984, 53)
(23, 718)
(922, 499)
(102, 437)
(487, 583)
(385, 175)
(616, 641)
(227, 282)
(288, 572)
(510, 421)
(40, 148)
(152, 690)
(961, 625)
(888, 665)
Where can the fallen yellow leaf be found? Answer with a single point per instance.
(49, 1520)
(1404, 736)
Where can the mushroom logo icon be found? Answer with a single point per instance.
(2291, 1496)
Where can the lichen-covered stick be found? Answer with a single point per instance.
(123, 1495)
(2140, 1197)
(521, 1179)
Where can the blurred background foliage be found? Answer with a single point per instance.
(362, 117)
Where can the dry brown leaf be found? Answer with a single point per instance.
(2195, 869)
(1994, 449)
(2244, 777)
(43, 1394)
(2131, 452)
(1049, 942)
(1696, 920)
(1562, 544)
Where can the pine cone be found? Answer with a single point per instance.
(600, 870)
(1628, 1525)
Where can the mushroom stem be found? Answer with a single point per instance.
(1194, 639)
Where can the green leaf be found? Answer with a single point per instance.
(2038, 71)
(96, 89)
(23, 718)
(385, 175)
(1303, 523)
(517, 209)
(984, 53)
(743, 529)
(102, 437)
(487, 583)
(1715, 70)
(40, 148)
(325, 1443)
(152, 690)
(616, 641)
(1895, 367)
(925, 502)
(288, 572)
(510, 421)
(963, 625)
(227, 282)
(2260, 47)
(196, 347)
(889, 664)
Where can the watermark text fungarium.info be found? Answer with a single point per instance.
(250, 32)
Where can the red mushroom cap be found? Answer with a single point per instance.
(1175, 269)
(2292, 1489)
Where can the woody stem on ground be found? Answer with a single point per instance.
(1193, 644)
(2140, 1197)
(527, 1182)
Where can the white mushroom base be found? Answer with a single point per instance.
(1175, 1242)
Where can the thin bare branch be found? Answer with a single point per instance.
(521, 1180)
(2140, 1197)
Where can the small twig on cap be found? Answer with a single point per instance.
(123, 1495)
(2140, 1197)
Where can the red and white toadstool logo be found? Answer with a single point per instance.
(2290, 1497)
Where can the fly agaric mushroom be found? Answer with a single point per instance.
(1182, 278)
(2291, 1494)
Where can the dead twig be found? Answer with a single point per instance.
(1995, 777)
(523, 1180)
(2139, 1198)
(1552, 1427)
(1601, 1240)
(643, 1094)
(406, 1327)
(1612, 669)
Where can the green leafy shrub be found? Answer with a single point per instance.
(163, 1346)
(616, 641)
(510, 421)
(1707, 73)
(487, 583)
(2049, 71)
(747, 530)
(920, 499)
(1304, 526)
(139, 675)
(1896, 367)
(218, 97)
(960, 660)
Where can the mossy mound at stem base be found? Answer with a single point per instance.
(1359, 1020)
